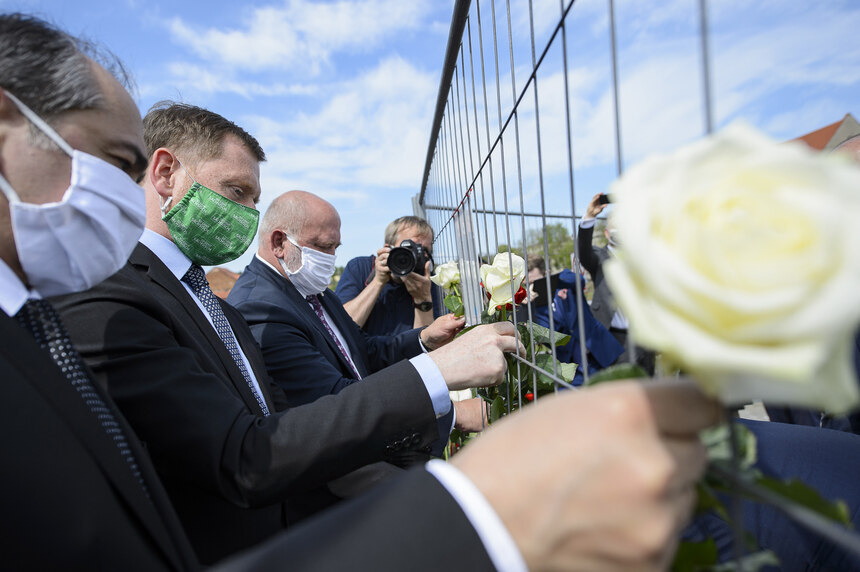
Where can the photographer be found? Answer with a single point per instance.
(388, 301)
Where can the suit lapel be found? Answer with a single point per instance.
(252, 351)
(42, 373)
(304, 309)
(161, 275)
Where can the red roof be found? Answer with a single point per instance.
(819, 138)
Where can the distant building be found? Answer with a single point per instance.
(221, 281)
(828, 137)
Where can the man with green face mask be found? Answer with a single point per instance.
(185, 370)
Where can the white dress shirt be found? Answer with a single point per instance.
(178, 264)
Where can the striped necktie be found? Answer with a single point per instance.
(196, 279)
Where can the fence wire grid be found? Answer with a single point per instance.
(519, 143)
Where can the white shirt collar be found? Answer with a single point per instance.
(166, 251)
(13, 293)
(267, 263)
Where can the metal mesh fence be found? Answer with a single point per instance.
(527, 129)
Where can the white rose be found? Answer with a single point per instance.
(446, 275)
(740, 260)
(503, 278)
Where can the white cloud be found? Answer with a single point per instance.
(372, 133)
(299, 34)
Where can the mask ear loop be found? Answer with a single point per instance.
(166, 203)
(295, 243)
(41, 124)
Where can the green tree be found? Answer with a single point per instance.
(559, 244)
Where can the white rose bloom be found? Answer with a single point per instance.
(503, 278)
(446, 275)
(739, 259)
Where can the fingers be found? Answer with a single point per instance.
(689, 457)
(507, 341)
(679, 407)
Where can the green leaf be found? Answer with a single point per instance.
(716, 441)
(566, 371)
(542, 335)
(799, 492)
(694, 556)
(455, 304)
(706, 501)
(497, 409)
(618, 372)
(749, 563)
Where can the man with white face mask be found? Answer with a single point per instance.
(76, 483)
(311, 346)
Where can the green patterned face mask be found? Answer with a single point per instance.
(210, 229)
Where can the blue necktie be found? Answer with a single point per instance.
(42, 320)
(196, 279)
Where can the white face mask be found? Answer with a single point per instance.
(314, 275)
(72, 245)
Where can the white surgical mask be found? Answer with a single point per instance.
(314, 275)
(72, 245)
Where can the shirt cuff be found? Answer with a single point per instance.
(497, 541)
(587, 222)
(420, 343)
(434, 382)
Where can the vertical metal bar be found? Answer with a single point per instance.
(706, 66)
(547, 262)
(487, 128)
(631, 345)
(475, 117)
(520, 183)
(576, 266)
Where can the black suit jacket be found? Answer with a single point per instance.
(602, 302)
(69, 500)
(225, 466)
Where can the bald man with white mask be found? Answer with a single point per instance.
(311, 345)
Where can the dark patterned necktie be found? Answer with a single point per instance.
(318, 309)
(196, 279)
(42, 320)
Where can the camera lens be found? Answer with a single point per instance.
(401, 261)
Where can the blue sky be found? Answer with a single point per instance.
(341, 94)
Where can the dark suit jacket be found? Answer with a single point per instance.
(69, 500)
(304, 360)
(225, 466)
(602, 302)
(300, 354)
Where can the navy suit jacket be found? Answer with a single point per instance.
(300, 354)
(303, 358)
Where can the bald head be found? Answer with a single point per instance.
(306, 218)
(851, 147)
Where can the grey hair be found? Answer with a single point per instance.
(49, 70)
(421, 226)
(288, 212)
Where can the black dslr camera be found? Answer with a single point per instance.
(408, 257)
